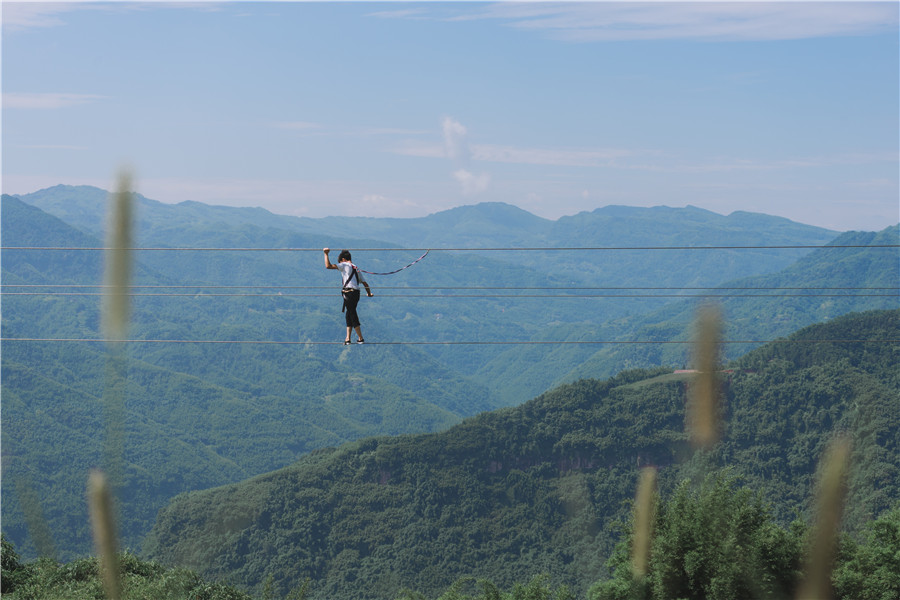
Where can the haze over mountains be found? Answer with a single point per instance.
(204, 414)
(604, 293)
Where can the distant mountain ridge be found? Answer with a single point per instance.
(444, 356)
(84, 207)
(487, 224)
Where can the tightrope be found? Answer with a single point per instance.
(522, 249)
(450, 343)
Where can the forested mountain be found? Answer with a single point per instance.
(501, 296)
(197, 415)
(843, 277)
(538, 488)
(202, 413)
(488, 225)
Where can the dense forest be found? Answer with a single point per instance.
(695, 551)
(190, 406)
(539, 488)
(717, 532)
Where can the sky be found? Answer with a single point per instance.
(403, 109)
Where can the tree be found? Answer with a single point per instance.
(713, 542)
(10, 567)
(870, 570)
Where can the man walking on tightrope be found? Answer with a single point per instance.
(352, 277)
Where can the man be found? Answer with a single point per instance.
(352, 277)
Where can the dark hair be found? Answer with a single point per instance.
(344, 255)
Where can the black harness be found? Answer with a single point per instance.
(350, 278)
(345, 289)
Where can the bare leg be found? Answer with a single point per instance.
(347, 339)
(358, 334)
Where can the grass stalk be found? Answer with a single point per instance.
(117, 267)
(832, 489)
(100, 503)
(644, 515)
(703, 402)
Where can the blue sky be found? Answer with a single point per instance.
(407, 108)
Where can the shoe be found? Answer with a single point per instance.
(346, 342)
(359, 341)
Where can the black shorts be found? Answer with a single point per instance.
(351, 299)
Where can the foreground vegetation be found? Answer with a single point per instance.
(47, 579)
(713, 542)
(719, 542)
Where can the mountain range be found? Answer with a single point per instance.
(202, 413)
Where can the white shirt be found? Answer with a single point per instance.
(346, 269)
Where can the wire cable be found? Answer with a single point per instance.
(440, 291)
(497, 249)
(438, 296)
(454, 343)
(450, 287)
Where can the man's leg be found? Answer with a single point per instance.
(351, 299)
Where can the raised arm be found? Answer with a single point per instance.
(328, 264)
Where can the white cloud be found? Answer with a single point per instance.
(626, 159)
(455, 143)
(470, 182)
(384, 206)
(456, 147)
(44, 101)
(732, 164)
(25, 15)
(410, 13)
(583, 157)
(549, 156)
(706, 21)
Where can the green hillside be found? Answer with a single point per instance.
(191, 404)
(822, 285)
(416, 305)
(539, 488)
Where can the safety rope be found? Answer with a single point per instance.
(398, 270)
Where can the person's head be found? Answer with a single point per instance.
(344, 255)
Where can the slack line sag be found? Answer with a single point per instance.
(351, 277)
